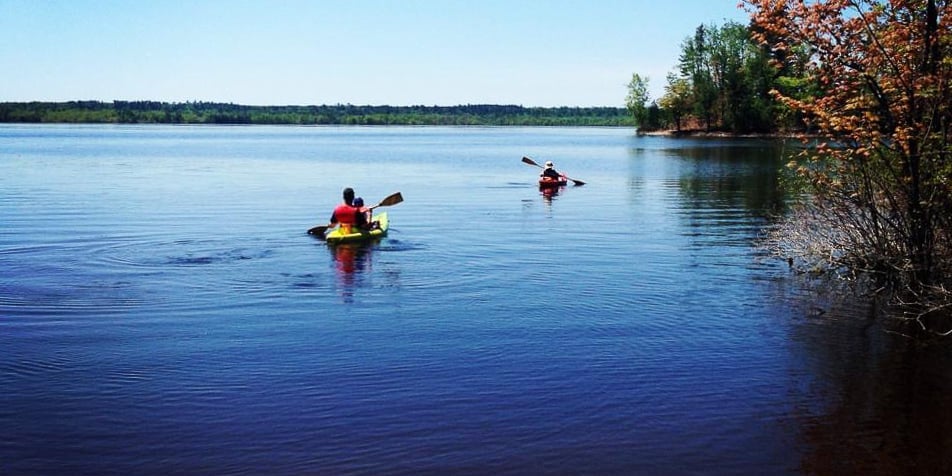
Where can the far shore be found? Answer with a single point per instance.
(729, 135)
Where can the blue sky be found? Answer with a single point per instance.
(302, 52)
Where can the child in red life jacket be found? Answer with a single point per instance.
(367, 213)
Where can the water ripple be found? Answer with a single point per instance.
(152, 251)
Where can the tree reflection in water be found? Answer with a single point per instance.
(885, 401)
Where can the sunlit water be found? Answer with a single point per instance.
(162, 310)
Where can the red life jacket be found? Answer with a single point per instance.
(345, 214)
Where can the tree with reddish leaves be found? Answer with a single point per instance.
(881, 96)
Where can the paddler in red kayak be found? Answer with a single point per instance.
(347, 215)
(550, 172)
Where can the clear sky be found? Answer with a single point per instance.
(366, 52)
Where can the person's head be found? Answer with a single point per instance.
(549, 165)
(348, 195)
(358, 202)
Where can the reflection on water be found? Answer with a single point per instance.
(549, 193)
(874, 403)
(351, 258)
(352, 261)
(716, 175)
(864, 401)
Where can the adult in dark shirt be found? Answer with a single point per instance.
(550, 172)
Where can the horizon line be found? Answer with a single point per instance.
(114, 101)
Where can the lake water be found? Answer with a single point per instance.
(162, 310)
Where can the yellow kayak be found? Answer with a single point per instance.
(340, 235)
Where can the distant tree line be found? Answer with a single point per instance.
(153, 112)
(725, 81)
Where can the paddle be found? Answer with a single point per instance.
(391, 199)
(532, 162)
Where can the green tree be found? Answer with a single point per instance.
(637, 99)
(732, 54)
(677, 99)
(695, 65)
(730, 77)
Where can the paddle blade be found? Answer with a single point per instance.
(577, 182)
(318, 231)
(390, 200)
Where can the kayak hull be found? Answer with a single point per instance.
(355, 236)
(549, 182)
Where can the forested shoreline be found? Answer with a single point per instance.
(725, 81)
(154, 112)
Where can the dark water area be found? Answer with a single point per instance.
(162, 310)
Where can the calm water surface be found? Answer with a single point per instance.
(163, 311)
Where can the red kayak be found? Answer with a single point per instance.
(548, 182)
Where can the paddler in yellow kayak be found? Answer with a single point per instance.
(354, 220)
(349, 217)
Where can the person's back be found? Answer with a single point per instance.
(346, 214)
(550, 172)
